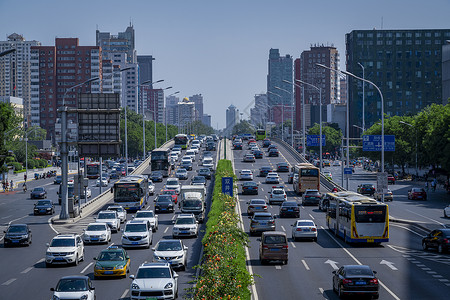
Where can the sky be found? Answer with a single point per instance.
(215, 48)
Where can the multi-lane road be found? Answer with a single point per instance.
(24, 275)
(404, 269)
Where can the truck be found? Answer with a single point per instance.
(192, 201)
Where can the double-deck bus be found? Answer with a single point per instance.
(159, 161)
(131, 192)
(260, 134)
(308, 178)
(181, 140)
(357, 218)
(93, 170)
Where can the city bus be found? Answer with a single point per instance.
(260, 134)
(181, 140)
(93, 170)
(308, 178)
(159, 161)
(131, 192)
(357, 218)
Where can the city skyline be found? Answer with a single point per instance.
(219, 50)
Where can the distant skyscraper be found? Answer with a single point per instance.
(172, 110)
(186, 114)
(405, 64)
(153, 104)
(232, 118)
(446, 72)
(123, 42)
(258, 114)
(15, 71)
(198, 100)
(206, 119)
(145, 63)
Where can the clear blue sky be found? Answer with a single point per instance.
(217, 48)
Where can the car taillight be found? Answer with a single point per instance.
(284, 196)
(285, 246)
(270, 196)
(299, 229)
(313, 229)
(265, 247)
(374, 281)
(445, 241)
(284, 208)
(272, 222)
(347, 281)
(265, 206)
(251, 206)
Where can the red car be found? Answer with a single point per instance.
(251, 140)
(173, 193)
(391, 179)
(417, 194)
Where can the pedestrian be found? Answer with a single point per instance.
(4, 185)
(426, 186)
(25, 177)
(12, 185)
(433, 185)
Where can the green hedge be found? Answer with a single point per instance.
(17, 166)
(224, 274)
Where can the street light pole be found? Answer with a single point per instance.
(282, 116)
(303, 115)
(410, 125)
(292, 114)
(363, 122)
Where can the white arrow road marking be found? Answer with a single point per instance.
(332, 263)
(167, 228)
(389, 264)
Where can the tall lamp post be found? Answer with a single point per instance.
(165, 112)
(292, 115)
(6, 52)
(363, 122)
(282, 114)
(410, 125)
(64, 151)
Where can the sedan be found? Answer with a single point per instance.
(391, 179)
(181, 174)
(262, 221)
(258, 154)
(289, 209)
(156, 176)
(304, 229)
(43, 207)
(17, 234)
(198, 180)
(274, 153)
(111, 262)
(417, 194)
(58, 180)
(97, 233)
(249, 158)
(388, 196)
(172, 251)
(366, 189)
(250, 187)
(447, 211)
(438, 239)
(356, 280)
(246, 175)
(272, 178)
(256, 205)
(282, 167)
(173, 193)
(186, 164)
(104, 182)
(38, 193)
(263, 171)
(74, 287)
(164, 203)
(206, 172)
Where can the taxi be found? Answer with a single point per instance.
(112, 262)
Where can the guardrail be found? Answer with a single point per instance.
(326, 182)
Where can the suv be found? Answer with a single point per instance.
(171, 251)
(74, 287)
(311, 197)
(17, 234)
(147, 215)
(109, 217)
(156, 279)
(173, 184)
(137, 233)
(273, 246)
(65, 249)
(277, 194)
(185, 225)
(121, 212)
(262, 221)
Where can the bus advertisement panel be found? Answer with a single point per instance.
(159, 161)
(181, 140)
(308, 178)
(93, 170)
(131, 192)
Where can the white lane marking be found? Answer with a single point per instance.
(443, 280)
(6, 217)
(311, 216)
(262, 189)
(359, 263)
(406, 228)
(321, 291)
(111, 244)
(124, 294)
(278, 267)
(39, 261)
(9, 281)
(49, 221)
(305, 264)
(26, 270)
(431, 272)
(437, 276)
(173, 218)
(167, 228)
(437, 222)
(282, 227)
(87, 267)
(293, 245)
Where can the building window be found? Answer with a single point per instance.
(398, 42)
(437, 42)
(418, 42)
(427, 34)
(418, 34)
(428, 42)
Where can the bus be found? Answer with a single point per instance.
(357, 218)
(308, 178)
(181, 140)
(93, 170)
(260, 134)
(131, 192)
(159, 161)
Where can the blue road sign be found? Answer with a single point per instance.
(227, 186)
(373, 143)
(313, 140)
(348, 171)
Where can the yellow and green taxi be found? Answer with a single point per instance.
(111, 262)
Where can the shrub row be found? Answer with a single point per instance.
(224, 274)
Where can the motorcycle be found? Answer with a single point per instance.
(24, 188)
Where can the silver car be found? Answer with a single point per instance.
(262, 221)
(171, 251)
(121, 212)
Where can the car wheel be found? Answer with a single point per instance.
(77, 261)
(424, 246)
(332, 284)
(376, 296)
(445, 214)
(47, 265)
(440, 249)
(285, 262)
(315, 239)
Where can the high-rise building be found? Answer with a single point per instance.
(186, 114)
(15, 71)
(122, 42)
(258, 114)
(198, 101)
(406, 65)
(54, 69)
(446, 72)
(307, 71)
(206, 119)
(145, 63)
(232, 118)
(153, 103)
(172, 110)
(280, 68)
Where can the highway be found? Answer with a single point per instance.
(405, 271)
(25, 266)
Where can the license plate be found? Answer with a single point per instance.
(306, 230)
(42, 210)
(370, 240)
(59, 259)
(151, 298)
(134, 243)
(275, 250)
(163, 208)
(184, 231)
(263, 223)
(15, 241)
(360, 282)
(419, 197)
(290, 209)
(94, 239)
(108, 272)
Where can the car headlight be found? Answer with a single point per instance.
(98, 266)
(169, 285)
(84, 297)
(144, 236)
(71, 253)
(179, 257)
(25, 236)
(134, 286)
(103, 235)
(48, 253)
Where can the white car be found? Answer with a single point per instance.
(65, 249)
(277, 194)
(173, 155)
(187, 158)
(304, 229)
(208, 163)
(147, 215)
(74, 287)
(137, 234)
(447, 211)
(195, 148)
(185, 225)
(121, 212)
(272, 178)
(151, 187)
(97, 233)
(173, 184)
(327, 174)
(336, 163)
(88, 193)
(172, 251)
(246, 175)
(154, 279)
(104, 182)
(109, 217)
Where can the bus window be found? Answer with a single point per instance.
(370, 214)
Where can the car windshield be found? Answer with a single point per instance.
(38, 189)
(106, 216)
(63, 243)
(119, 209)
(367, 186)
(289, 204)
(111, 256)
(156, 174)
(312, 194)
(169, 246)
(358, 272)
(135, 228)
(277, 192)
(71, 285)
(181, 171)
(145, 214)
(253, 202)
(262, 217)
(246, 172)
(416, 190)
(305, 223)
(183, 221)
(44, 202)
(250, 184)
(172, 182)
(97, 227)
(17, 229)
(153, 273)
(164, 198)
(192, 203)
(199, 179)
(275, 239)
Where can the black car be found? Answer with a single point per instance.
(291, 177)
(249, 187)
(207, 154)
(17, 234)
(289, 209)
(164, 203)
(237, 146)
(211, 146)
(156, 176)
(58, 180)
(438, 239)
(273, 152)
(43, 207)
(282, 167)
(258, 154)
(366, 189)
(271, 147)
(114, 174)
(263, 171)
(266, 143)
(198, 180)
(356, 280)
(38, 193)
(206, 172)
